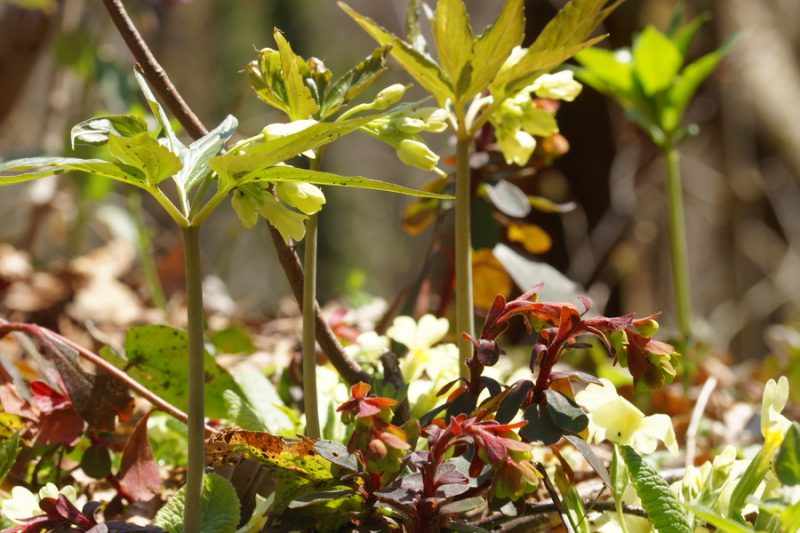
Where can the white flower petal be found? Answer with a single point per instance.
(404, 331)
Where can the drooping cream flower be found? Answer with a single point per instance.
(613, 418)
(773, 424)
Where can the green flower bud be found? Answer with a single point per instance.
(647, 328)
(558, 86)
(246, 208)
(417, 154)
(306, 197)
(408, 125)
(435, 118)
(389, 96)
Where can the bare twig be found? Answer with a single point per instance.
(158, 79)
(41, 333)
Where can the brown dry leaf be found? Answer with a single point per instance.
(138, 473)
(14, 264)
(106, 301)
(40, 292)
(534, 239)
(230, 446)
(489, 278)
(113, 260)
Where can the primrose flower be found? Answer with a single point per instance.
(614, 418)
(773, 424)
(25, 504)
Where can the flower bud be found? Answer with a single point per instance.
(558, 86)
(389, 96)
(306, 197)
(408, 125)
(376, 450)
(417, 154)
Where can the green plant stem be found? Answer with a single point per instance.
(309, 339)
(465, 317)
(145, 245)
(194, 305)
(677, 243)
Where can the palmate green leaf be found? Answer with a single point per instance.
(233, 166)
(657, 61)
(453, 39)
(685, 87)
(355, 81)
(157, 357)
(21, 170)
(144, 153)
(95, 131)
(173, 144)
(662, 507)
(9, 449)
(605, 72)
(285, 173)
(419, 66)
(195, 158)
(300, 101)
(220, 508)
(492, 48)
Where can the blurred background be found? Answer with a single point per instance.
(62, 62)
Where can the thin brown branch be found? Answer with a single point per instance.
(40, 333)
(158, 79)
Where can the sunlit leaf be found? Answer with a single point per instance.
(95, 131)
(301, 103)
(284, 173)
(355, 81)
(138, 472)
(657, 61)
(787, 465)
(565, 413)
(172, 142)
(493, 47)
(419, 66)
(613, 72)
(220, 508)
(195, 159)
(489, 278)
(721, 523)
(31, 168)
(144, 153)
(508, 198)
(453, 38)
(157, 357)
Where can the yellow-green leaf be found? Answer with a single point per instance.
(298, 96)
(453, 38)
(494, 46)
(21, 170)
(419, 66)
(144, 153)
(657, 61)
(355, 81)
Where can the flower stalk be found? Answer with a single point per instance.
(677, 242)
(309, 338)
(465, 317)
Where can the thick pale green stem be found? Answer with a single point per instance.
(677, 243)
(145, 244)
(192, 515)
(465, 317)
(309, 325)
(309, 337)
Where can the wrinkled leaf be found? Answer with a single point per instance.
(337, 454)
(144, 153)
(355, 81)
(453, 38)
(220, 508)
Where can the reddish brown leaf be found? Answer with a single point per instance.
(138, 473)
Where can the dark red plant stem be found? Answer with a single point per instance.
(159, 80)
(47, 336)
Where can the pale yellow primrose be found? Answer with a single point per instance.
(613, 418)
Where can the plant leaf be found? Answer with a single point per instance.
(195, 159)
(615, 77)
(144, 153)
(686, 86)
(462, 506)
(20, 170)
(721, 523)
(657, 61)
(508, 198)
(157, 356)
(540, 426)
(284, 173)
(684, 36)
(574, 23)
(300, 101)
(172, 142)
(355, 81)
(9, 449)
(453, 38)
(220, 508)
(787, 465)
(95, 131)
(138, 472)
(492, 48)
(419, 66)
(662, 507)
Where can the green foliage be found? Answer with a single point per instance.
(663, 509)
(156, 356)
(653, 81)
(9, 450)
(787, 464)
(713, 518)
(220, 508)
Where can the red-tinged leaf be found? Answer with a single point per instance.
(65, 509)
(394, 441)
(532, 292)
(59, 426)
(606, 324)
(359, 390)
(11, 400)
(574, 375)
(367, 409)
(568, 324)
(448, 474)
(587, 303)
(138, 473)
